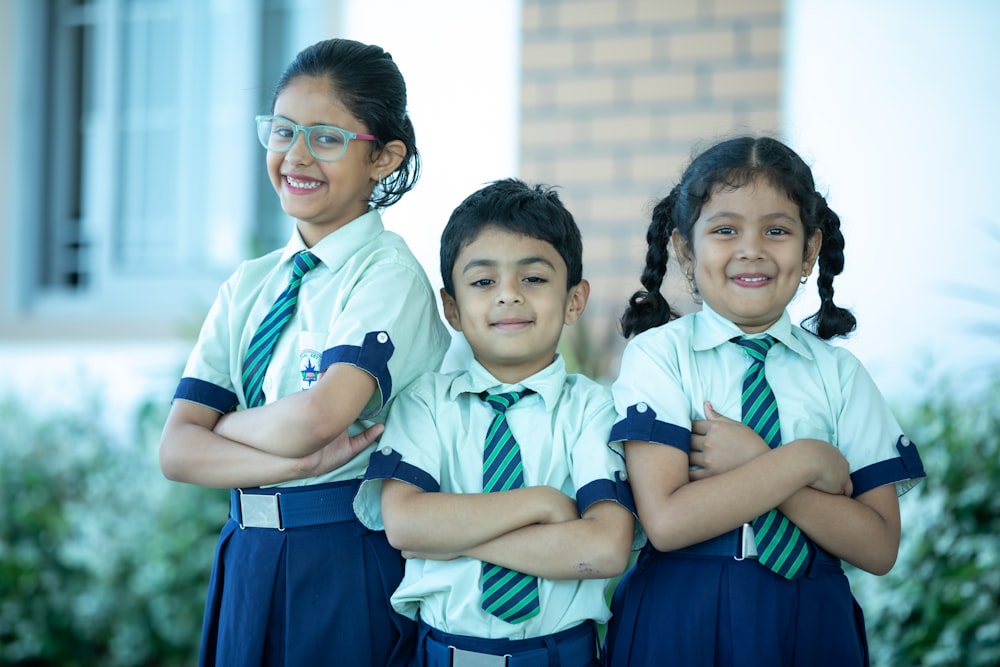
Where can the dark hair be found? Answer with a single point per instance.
(732, 164)
(513, 205)
(369, 84)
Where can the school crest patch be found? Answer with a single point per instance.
(309, 361)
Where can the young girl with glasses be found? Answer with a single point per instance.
(724, 580)
(303, 349)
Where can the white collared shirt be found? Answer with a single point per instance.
(439, 426)
(368, 304)
(822, 391)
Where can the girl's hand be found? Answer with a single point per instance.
(338, 451)
(720, 444)
(833, 473)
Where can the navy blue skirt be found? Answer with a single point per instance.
(680, 609)
(305, 596)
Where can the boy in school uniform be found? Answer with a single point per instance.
(497, 481)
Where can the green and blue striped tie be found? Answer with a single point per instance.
(781, 546)
(509, 595)
(258, 355)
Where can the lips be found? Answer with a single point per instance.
(511, 323)
(751, 279)
(303, 184)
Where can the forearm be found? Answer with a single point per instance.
(863, 531)
(194, 454)
(303, 422)
(596, 546)
(679, 514)
(456, 522)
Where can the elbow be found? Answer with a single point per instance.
(398, 534)
(880, 565)
(170, 464)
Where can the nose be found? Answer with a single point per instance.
(298, 152)
(510, 292)
(751, 246)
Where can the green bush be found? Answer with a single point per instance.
(940, 605)
(102, 560)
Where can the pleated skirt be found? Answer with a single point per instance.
(316, 595)
(700, 611)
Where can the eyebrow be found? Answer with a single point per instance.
(492, 263)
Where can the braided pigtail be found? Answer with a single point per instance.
(647, 308)
(830, 320)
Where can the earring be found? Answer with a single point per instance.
(689, 276)
(804, 279)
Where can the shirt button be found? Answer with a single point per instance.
(641, 407)
(382, 337)
(386, 451)
(622, 475)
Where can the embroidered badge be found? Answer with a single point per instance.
(309, 361)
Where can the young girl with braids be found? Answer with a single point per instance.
(746, 537)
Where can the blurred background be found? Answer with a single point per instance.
(133, 185)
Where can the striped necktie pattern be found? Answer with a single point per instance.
(509, 595)
(258, 355)
(781, 546)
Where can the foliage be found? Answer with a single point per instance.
(102, 560)
(940, 605)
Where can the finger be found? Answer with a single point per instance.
(699, 427)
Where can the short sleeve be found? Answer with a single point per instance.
(408, 450)
(393, 301)
(649, 395)
(871, 439)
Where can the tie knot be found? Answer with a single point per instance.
(304, 261)
(501, 402)
(756, 347)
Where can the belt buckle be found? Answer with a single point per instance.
(260, 510)
(747, 547)
(460, 658)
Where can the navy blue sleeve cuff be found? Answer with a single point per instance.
(372, 357)
(907, 466)
(207, 394)
(387, 463)
(618, 490)
(640, 423)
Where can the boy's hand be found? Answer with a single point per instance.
(338, 451)
(720, 444)
(561, 507)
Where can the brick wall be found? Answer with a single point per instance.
(615, 96)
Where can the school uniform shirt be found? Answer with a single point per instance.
(434, 439)
(822, 391)
(369, 304)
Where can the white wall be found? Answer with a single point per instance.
(895, 104)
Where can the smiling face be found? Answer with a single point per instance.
(511, 302)
(324, 196)
(747, 253)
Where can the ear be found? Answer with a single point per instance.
(811, 254)
(683, 252)
(576, 301)
(451, 310)
(388, 159)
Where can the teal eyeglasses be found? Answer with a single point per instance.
(325, 142)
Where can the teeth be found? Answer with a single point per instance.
(302, 185)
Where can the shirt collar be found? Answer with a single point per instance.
(711, 330)
(340, 245)
(547, 383)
